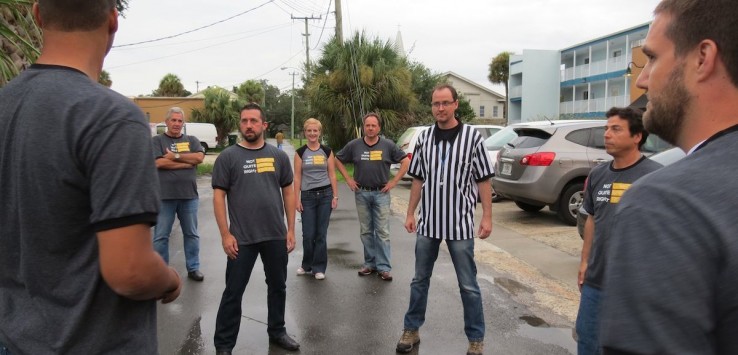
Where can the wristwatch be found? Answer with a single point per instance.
(176, 156)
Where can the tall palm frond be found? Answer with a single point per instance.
(20, 38)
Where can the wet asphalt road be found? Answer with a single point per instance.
(345, 313)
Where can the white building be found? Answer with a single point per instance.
(487, 104)
(590, 78)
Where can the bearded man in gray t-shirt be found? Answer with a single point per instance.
(256, 180)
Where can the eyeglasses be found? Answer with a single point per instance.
(443, 103)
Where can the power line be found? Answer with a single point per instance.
(196, 29)
(330, 2)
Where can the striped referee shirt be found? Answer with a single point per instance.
(450, 172)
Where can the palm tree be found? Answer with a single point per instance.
(354, 78)
(170, 86)
(219, 109)
(20, 37)
(105, 79)
(499, 73)
(251, 91)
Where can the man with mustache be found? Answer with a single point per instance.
(670, 285)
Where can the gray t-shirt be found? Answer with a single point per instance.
(74, 160)
(605, 186)
(314, 167)
(672, 274)
(371, 162)
(253, 179)
(176, 183)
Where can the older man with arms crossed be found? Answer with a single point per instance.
(671, 274)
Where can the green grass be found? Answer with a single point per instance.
(349, 168)
(204, 168)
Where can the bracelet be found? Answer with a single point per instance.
(335, 197)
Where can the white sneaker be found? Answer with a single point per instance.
(319, 276)
(301, 271)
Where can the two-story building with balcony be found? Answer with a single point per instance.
(591, 77)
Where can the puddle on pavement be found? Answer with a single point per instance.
(193, 344)
(538, 329)
(512, 286)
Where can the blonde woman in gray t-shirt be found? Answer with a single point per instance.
(316, 195)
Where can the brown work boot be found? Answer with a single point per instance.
(475, 348)
(408, 340)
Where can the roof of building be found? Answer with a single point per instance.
(473, 83)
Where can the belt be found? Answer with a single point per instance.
(367, 188)
(319, 189)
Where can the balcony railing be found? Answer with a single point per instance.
(594, 68)
(593, 105)
(516, 91)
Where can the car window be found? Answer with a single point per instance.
(655, 144)
(580, 136)
(524, 141)
(499, 139)
(598, 138)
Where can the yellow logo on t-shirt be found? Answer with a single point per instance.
(618, 189)
(265, 165)
(375, 155)
(182, 147)
(318, 160)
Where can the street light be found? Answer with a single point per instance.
(292, 115)
(628, 72)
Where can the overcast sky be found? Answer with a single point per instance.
(254, 39)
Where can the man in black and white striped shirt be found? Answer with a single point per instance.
(449, 167)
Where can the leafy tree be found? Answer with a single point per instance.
(219, 109)
(499, 73)
(251, 91)
(354, 78)
(170, 86)
(20, 37)
(105, 79)
(465, 112)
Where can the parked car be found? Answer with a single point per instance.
(666, 157)
(205, 133)
(487, 129)
(547, 165)
(493, 144)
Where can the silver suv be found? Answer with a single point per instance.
(547, 163)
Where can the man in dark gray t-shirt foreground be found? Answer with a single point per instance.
(78, 273)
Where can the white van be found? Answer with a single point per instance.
(205, 132)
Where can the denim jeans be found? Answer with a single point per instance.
(4, 350)
(462, 256)
(588, 320)
(238, 272)
(373, 208)
(316, 214)
(186, 211)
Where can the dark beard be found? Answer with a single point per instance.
(666, 116)
(250, 140)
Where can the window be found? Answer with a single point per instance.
(586, 60)
(585, 95)
(617, 53)
(495, 112)
(481, 110)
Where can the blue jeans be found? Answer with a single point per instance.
(588, 321)
(462, 256)
(373, 208)
(4, 350)
(186, 211)
(316, 214)
(238, 272)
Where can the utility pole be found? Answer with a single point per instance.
(307, 42)
(339, 22)
(292, 115)
(197, 85)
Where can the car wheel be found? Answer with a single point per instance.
(527, 207)
(570, 202)
(204, 147)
